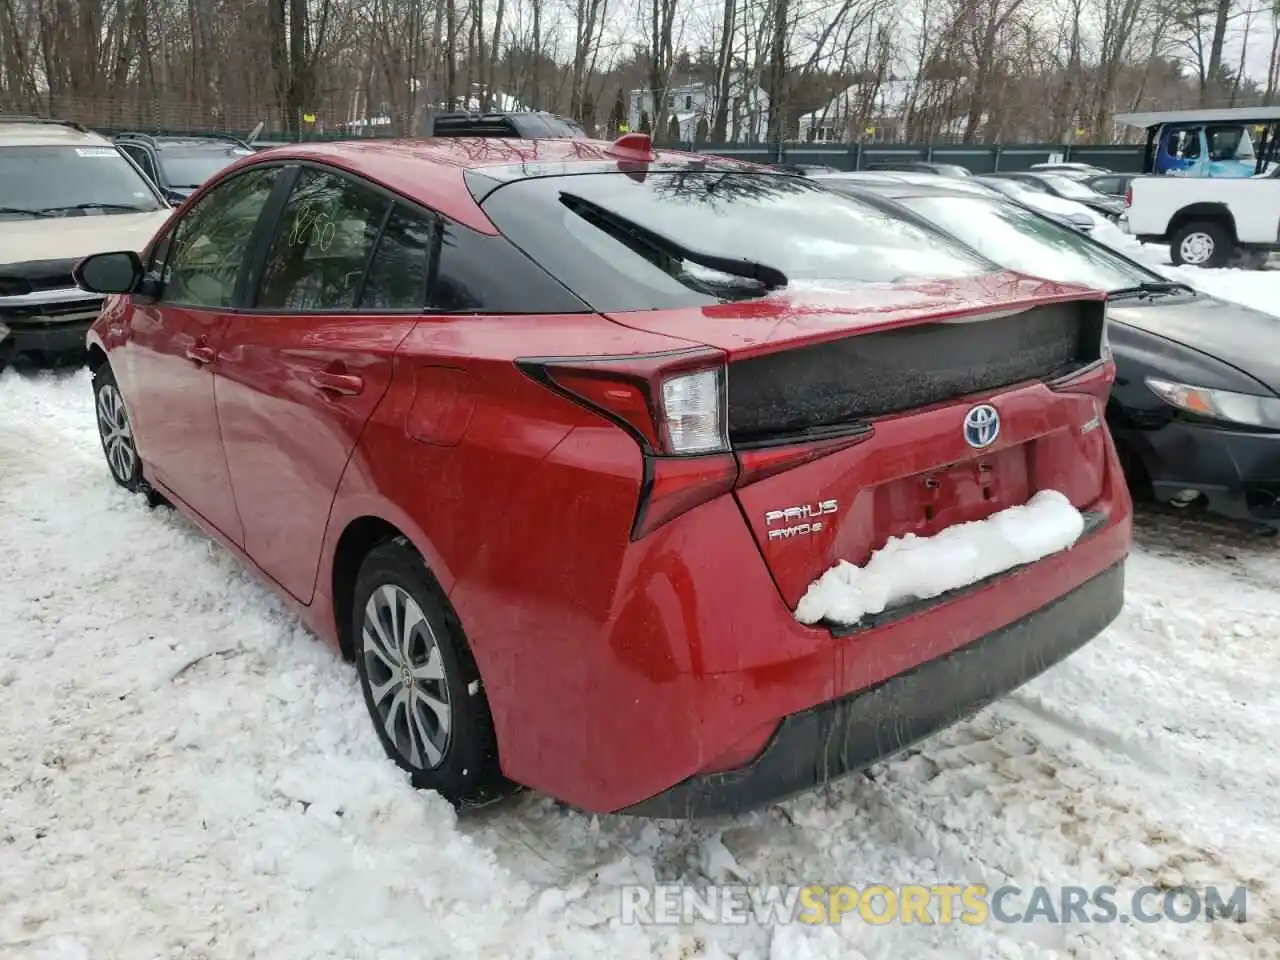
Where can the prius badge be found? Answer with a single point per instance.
(981, 426)
(801, 521)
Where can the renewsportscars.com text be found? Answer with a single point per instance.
(972, 904)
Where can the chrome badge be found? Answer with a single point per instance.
(799, 521)
(981, 426)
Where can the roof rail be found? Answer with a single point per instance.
(146, 137)
(11, 118)
(154, 139)
(476, 117)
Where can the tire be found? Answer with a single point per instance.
(116, 432)
(1201, 243)
(126, 470)
(459, 758)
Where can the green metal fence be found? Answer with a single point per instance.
(979, 158)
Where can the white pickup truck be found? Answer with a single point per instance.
(1207, 221)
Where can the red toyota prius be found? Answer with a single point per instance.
(659, 483)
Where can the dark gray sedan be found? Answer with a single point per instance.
(1195, 409)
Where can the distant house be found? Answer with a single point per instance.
(871, 113)
(693, 105)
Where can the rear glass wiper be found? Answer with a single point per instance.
(23, 211)
(1151, 288)
(633, 234)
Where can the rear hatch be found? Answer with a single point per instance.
(847, 413)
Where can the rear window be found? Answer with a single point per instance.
(190, 168)
(790, 225)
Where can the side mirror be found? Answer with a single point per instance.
(118, 272)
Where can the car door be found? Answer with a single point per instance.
(174, 337)
(341, 285)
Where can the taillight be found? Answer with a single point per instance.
(673, 405)
(1128, 195)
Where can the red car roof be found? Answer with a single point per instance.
(430, 170)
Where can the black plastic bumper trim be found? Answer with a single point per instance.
(843, 736)
(63, 338)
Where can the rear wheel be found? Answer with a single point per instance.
(420, 680)
(1201, 243)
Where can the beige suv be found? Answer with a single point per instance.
(65, 192)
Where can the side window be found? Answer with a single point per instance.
(1188, 144)
(398, 273)
(475, 273)
(460, 279)
(318, 257)
(142, 159)
(204, 252)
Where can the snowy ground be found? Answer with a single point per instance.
(187, 773)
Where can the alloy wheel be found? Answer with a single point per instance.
(117, 436)
(1196, 248)
(406, 677)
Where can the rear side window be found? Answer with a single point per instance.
(141, 158)
(322, 245)
(809, 234)
(476, 273)
(399, 271)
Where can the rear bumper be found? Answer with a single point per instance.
(848, 734)
(1238, 472)
(677, 657)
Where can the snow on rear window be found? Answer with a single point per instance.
(920, 568)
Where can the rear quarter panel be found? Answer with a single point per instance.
(521, 503)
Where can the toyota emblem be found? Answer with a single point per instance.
(981, 426)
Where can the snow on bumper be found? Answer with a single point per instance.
(919, 568)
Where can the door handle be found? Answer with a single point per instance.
(201, 353)
(346, 384)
